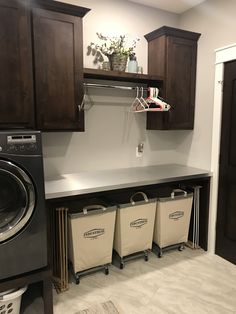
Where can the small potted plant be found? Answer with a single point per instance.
(117, 49)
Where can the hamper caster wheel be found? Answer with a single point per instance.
(181, 248)
(107, 271)
(146, 258)
(122, 265)
(160, 254)
(77, 281)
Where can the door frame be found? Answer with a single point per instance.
(224, 54)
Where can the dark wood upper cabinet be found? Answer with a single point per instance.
(41, 62)
(58, 66)
(16, 79)
(172, 53)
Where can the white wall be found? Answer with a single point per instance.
(215, 20)
(115, 17)
(111, 133)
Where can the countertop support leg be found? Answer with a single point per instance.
(47, 296)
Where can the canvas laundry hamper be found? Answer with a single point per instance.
(173, 218)
(91, 234)
(134, 224)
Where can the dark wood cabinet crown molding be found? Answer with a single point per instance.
(171, 31)
(60, 7)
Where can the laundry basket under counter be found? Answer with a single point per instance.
(172, 220)
(10, 301)
(134, 225)
(91, 233)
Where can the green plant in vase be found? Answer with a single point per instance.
(117, 49)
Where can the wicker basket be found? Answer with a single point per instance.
(118, 62)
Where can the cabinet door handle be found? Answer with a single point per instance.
(81, 105)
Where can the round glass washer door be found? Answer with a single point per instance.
(17, 199)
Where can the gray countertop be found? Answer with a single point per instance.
(105, 180)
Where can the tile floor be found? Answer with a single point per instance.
(192, 282)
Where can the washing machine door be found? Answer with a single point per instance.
(17, 199)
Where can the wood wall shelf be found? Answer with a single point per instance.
(122, 76)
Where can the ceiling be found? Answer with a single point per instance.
(175, 6)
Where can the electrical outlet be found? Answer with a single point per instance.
(138, 154)
(139, 150)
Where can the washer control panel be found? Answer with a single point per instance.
(20, 144)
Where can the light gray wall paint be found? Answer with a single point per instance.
(215, 20)
(112, 133)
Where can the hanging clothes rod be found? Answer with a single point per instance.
(112, 86)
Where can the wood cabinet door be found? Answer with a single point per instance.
(58, 65)
(16, 79)
(180, 82)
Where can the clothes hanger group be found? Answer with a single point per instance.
(152, 103)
